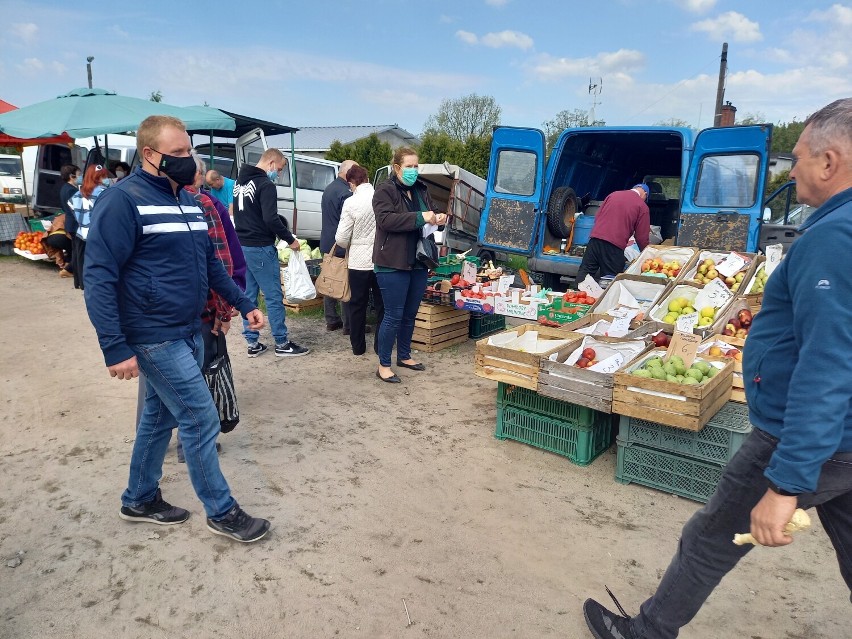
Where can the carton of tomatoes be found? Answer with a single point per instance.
(478, 298)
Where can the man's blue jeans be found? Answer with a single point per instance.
(264, 274)
(706, 553)
(402, 292)
(177, 393)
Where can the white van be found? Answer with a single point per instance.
(299, 189)
(11, 179)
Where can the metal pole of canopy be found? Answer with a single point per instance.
(212, 162)
(293, 181)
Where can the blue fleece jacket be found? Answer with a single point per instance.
(149, 264)
(797, 360)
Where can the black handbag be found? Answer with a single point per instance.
(427, 251)
(220, 380)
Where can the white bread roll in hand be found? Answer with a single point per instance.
(800, 521)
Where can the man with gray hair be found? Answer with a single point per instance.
(799, 454)
(332, 205)
(222, 188)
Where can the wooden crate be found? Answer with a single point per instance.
(303, 306)
(579, 385)
(439, 327)
(686, 255)
(737, 385)
(517, 367)
(647, 290)
(677, 405)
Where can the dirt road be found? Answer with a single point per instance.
(376, 493)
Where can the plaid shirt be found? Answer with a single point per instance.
(216, 305)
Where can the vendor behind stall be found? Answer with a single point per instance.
(57, 245)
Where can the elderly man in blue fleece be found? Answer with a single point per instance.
(798, 377)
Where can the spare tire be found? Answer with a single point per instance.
(561, 209)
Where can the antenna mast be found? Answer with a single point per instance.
(595, 92)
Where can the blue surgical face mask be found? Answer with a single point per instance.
(272, 175)
(409, 175)
(79, 180)
(106, 181)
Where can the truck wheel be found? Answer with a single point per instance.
(485, 256)
(561, 208)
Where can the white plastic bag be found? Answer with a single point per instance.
(298, 286)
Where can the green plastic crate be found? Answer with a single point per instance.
(691, 478)
(717, 442)
(36, 223)
(580, 444)
(447, 267)
(483, 323)
(526, 399)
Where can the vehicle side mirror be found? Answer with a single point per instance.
(767, 214)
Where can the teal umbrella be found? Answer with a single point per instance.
(83, 113)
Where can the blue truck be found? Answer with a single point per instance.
(706, 189)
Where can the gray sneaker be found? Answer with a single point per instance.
(237, 524)
(157, 511)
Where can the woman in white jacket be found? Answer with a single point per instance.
(357, 231)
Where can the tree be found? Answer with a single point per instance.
(785, 135)
(566, 120)
(753, 118)
(369, 152)
(674, 122)
(156, 96)
(472, 155)
(469, 116)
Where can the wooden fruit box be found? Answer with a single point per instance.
(737, 385)
(439, 327)
(582, 386)
(755, 300)
(685, 255)
(645, 290)
(589, 319)
(690, 291)
(513, 366)
(722, 316)
(669, 403)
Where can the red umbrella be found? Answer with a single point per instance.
(7, 140)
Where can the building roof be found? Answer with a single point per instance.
(319, 138)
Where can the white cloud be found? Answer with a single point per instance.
(58, 67)
(622, 61)
(507, 39)
(31, 65)
(26, 31)
(497, 3)
(118, 31)
(698, 6)
(837, 14)
(467, 37)
(730, 26)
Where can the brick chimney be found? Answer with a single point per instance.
(729, 115)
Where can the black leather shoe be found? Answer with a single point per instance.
(393, 379)
(414, 367)
(334, 326)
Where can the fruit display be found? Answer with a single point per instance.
(656, 267)
(683, 306)
(676, 371)
(578, 297)
(661, 339)
(588, 358)
(30, 241)
(759, 281)
(706, 272)
(734, 353)
(739, 325)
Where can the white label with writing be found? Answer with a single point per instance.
(714, 294)
(590, 286)
(731, 264)
(620, 327)
(609, 365)
(685, 345)
(774, 253)
(469, 272)
(504, 283)
(687, 322)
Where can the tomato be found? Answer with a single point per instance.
(455, 279)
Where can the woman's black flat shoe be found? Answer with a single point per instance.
(414, 367)
(393, 379)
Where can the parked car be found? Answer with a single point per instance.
(11, 179)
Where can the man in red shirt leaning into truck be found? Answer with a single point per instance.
(623, 214)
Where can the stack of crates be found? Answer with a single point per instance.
(683, 462)
(482, 324)
(575, 432)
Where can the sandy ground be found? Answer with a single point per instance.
(376, 493)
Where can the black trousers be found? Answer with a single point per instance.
(601, 258)
(361, 283)
(62, 243)
(78, 256)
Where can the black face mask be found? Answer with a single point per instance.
(181, 170)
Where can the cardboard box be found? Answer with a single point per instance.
(670, 403)
(645, 290)
(520, 303)
(561, 379)
(558, 311)
(474, 304)
(688, 276)
(521, 368)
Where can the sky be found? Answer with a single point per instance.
(331, 62)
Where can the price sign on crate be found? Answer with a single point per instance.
(731, 264)
(685, 345)
(714, 294)
(685, 323)
(620, 326)
(773, 257)
(609, 365)
(591, 287)
(469, 272)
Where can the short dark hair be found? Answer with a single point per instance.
(122, 165)
(67, 171)
(356, 175)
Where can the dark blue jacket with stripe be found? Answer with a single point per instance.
(149, 264)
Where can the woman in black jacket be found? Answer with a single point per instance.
(402, 208)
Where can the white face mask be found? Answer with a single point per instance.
(120, 174)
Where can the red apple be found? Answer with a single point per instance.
(745, 317)
(583, 362)
(735, 323)
(589, 353)
(660, 339)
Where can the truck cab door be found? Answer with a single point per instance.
(722, 203)
(513, 191)
(249, 148)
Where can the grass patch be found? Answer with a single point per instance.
(517, 262)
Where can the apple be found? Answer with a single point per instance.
(735, 323)
(729, 330)
(583, 362)
(715, 351)
(745, 317)
(589, 353)
(660, 339)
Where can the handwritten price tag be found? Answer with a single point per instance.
(591, 287)
(620, 327)
(469, 272)
(714, 294)
(686, 323)
(609, 365)
(774, 252)
(685, 345)
(731, 264)
(504, 283)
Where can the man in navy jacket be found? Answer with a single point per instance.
(797, 368)
(148, 269)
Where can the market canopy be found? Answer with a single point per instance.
(7, 140)
(86, 112)
(244, 124)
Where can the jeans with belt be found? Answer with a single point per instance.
(706, 553)
(176, 393)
